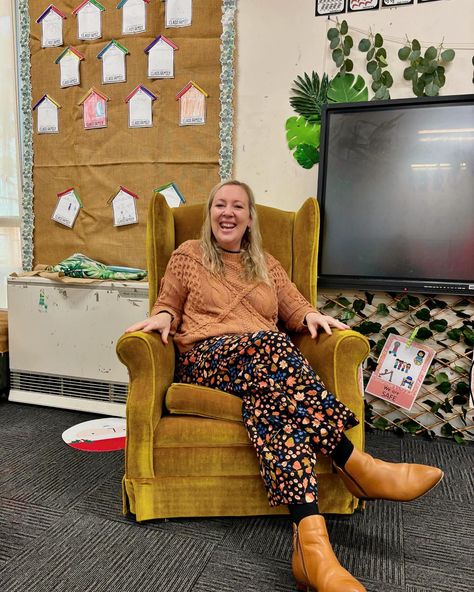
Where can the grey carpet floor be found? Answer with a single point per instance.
(61, 527)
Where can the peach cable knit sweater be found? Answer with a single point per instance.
(205, 306)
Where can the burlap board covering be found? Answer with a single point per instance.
(96, 162)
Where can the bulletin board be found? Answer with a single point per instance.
(97, 162)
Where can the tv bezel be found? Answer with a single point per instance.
(392, 284)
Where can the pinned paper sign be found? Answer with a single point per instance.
(133, 16)
(173, 196)
(98, 435)
(113, 62)
(47, 118)
(124, 207)
(95, 109)
(69, 61)
(161, 58)
(140, 102)
(51, 26)
(89, 19)
(192, 104)
(67, 208)
(400, 371)
(178, 13)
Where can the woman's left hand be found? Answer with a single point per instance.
(316, 321)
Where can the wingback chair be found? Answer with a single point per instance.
(187, 451)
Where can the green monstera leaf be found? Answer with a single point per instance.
(299, 131)
(347, 89)
(306, 156)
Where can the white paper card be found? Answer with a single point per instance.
(178, 13)
(133, 17)
(161, 61)
(140, 110)
(172, 197)
(52, 30)
(67, 209)
(48, 118)
(125, 209)
(113, 65)
(89, 22)
(69, 70)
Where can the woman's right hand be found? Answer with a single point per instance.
(160, 322)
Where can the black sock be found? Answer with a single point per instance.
(300, 511)
(340, 455)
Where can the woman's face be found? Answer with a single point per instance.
(230, 216)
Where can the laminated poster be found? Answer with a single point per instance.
(326, 7)
(67, 208)
(178, 13)
(400, 371)
(396, 2)
(356, 5)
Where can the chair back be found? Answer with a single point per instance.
(291, 237)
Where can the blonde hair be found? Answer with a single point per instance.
(253, 256)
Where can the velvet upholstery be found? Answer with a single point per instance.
(187, 452)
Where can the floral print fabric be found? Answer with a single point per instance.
(287, 411)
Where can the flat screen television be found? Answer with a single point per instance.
(396, 193)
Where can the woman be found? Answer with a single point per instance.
(221, 297)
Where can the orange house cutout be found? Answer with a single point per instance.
(192, 104)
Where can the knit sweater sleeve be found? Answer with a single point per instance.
(173, 289)
(292, 305)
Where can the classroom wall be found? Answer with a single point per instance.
(279, 40)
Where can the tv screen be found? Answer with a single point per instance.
(396, 191)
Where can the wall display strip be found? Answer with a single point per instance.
(26, 119)
(227, 88)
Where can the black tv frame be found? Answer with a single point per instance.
(362, 283)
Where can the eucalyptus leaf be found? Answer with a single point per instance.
(431, 89)
(334, 42)
(414, 55)
(300, 131)
(364, 45)
(371, 67)
(378, 41)
(403, 53)
(348, 42)
(409, 73)
(344, 27)
(377, 73)
(347, 89)
(431, 53)
(382, 61)
(381, 53)
(346, 50)
(333, 32)
(349, 64)
(418, 87)
(448, 55)
(380, 94)
(415, 45)
(306, 155)
(370, 54)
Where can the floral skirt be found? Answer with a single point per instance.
(287, 411)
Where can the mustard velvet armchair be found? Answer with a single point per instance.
(187, 451)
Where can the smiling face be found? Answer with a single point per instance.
(230, 216)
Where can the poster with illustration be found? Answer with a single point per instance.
(400, 371)
(98, 435)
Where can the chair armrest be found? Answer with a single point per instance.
(336, 359)
(150, 366)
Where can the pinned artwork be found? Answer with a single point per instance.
(51, 26)
(94, 109)
(357, 5)
(396, 2)
(400, 371)
(161, 58)
(173, 196)
(192, 104)
(124, 207)
(133, 16)
(178, 13)
(113, 62)
(69, 61)
(89, 19)
(140, 103)
(47, 115)
(325, 7)
(67, 208)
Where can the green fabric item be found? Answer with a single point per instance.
(81, 266)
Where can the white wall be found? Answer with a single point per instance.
(278, 40)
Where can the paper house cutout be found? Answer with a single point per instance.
(133, 16)
(113, 62)
(69, 61)
(52, 26)
(89, 19)
(192, 104)
(67, 207)
(48, 115)
(124, 207)
(173, 196)
(178, 13)
(94, 109)
(161, 58)
(140, 102)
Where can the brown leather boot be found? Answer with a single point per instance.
(369, 478)
(314, 564)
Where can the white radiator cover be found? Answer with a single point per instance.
(62, 341)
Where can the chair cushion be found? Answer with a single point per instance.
(191, 399)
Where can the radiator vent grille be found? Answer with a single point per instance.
(65, 386)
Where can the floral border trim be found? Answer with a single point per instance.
(27, 218)
(227, 88)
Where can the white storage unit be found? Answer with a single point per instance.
(62, 341)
